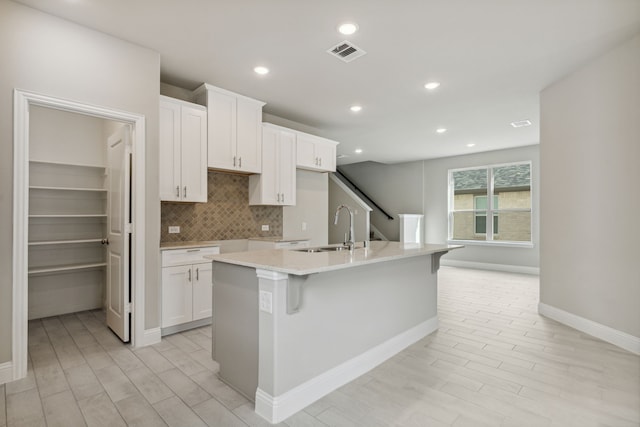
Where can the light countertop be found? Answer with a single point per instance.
(187, 245)
(277, 239)
(301, 263)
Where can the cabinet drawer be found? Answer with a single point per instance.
(172, 257)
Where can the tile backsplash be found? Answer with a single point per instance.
(226, 215)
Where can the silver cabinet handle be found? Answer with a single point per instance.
(234, 161)
(197, 274)
(282, 197)
(320, 160)
(178, 191)
(185, 191)
(193, 250)
(239, 162)
(189, 274)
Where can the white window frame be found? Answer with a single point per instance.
(490, 209)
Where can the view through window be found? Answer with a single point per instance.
(501, 192)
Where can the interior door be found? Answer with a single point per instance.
(118, 232)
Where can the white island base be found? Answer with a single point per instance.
(289, 338)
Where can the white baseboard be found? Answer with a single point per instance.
(621, 339)
(6, 372)
(277, 408)
(490, 266)
(151, 336)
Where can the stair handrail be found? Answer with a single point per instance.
(351, 183)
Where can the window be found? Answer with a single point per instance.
(501, 192)
(480, 207)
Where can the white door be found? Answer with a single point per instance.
(118, 232)
(177, 295)
(202, 290)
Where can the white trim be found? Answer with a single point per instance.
(503, 243)
(277, 408)
(489, 266)
(150, 337)
(22, 101)
(621, 339)
(6, 372)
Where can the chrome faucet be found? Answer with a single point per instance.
(351, 239)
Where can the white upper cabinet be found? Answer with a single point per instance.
(276, 185)
(315, 153)
(183, 151)
(235, 130)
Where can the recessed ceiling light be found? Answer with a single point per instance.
(471, 144)
(521, 123)
(348, 28)
(431, 85)
(441, 130)
(355, 108)
(358, 150)
(261, 70)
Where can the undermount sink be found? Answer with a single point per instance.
(324, 249)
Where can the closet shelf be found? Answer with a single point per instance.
(63, 242)
(47, 162)
(68, 267)
(34, 187)
(68, 216)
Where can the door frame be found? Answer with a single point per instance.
(21, 102)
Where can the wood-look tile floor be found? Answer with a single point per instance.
(494, 361)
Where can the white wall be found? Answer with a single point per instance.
(590, 156)
(421, 187)
(435, 208)
(397, 188)
(339, 196)
(311, 208)
(44, 54)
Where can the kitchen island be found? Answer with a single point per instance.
(292, 326)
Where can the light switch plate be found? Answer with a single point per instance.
(174, 229)
(265, 227)
(266, 302)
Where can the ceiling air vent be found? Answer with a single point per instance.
(346, 51)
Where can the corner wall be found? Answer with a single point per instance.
(590, 156)
(48, 55)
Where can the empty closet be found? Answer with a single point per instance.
(68, 212)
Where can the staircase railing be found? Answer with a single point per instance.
(362, 193)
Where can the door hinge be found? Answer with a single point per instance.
(128, 228)
(127, 307)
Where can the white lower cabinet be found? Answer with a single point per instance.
(186, 286)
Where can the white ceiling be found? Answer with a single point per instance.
(492, 58)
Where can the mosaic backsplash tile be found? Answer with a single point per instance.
(226, 215)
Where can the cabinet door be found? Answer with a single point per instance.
(287, 168)
(249, 136)
(202, 290)
(222, 130)
(305, 151)
(263, 188)
(194, 154)
(177, 295)
(169, 140)
(326, 154)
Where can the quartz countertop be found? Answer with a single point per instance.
(278, 239)
(302, 263)
(187, 245)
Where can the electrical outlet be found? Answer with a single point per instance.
(265, 227)
(304, 226)
(174, 229)
(266, 302)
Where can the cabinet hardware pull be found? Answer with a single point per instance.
(177, 191)
(105, 241)
(282, 197)
(234, 161)
(193, 250)
(197, 274)
(239, 162)
(320, 160)
(185, 191)
(189, 274)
